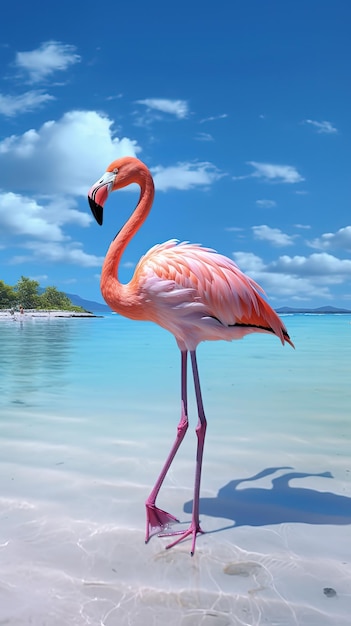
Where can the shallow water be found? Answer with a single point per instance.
(88, 411)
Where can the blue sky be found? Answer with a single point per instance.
(241, 110)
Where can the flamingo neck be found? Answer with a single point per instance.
(121, 297)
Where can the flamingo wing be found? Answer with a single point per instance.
(191, 287)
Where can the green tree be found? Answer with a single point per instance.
(54, 299)
(7, 296)
(27, 293)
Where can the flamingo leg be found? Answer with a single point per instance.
(194, 527)
(157, 518)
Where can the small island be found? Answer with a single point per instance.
(322, 310)
(28, 299)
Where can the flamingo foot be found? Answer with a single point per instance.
(194, 529)
(157, 519)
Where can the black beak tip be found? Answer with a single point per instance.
(96, 210)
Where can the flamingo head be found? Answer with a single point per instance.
(119, 173)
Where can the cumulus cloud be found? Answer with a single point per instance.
(62, 157)
(321, 266)
(274, 235)
(50, 57)
(38, 228)
(269, 172)
(249, 262)
(284, 286)
(339, 240)
(185, 176)
(56, 252)
(298, 277)
(24, 216)
(23, 103)
(325, 128)
(178, 108)
(327, 267)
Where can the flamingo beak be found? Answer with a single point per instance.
(98, 194)
(96, 210)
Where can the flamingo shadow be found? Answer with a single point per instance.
(258, 506)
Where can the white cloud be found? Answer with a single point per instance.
(41, 278)
(249, 262)
(212, 118)
(55, 252)
(276, 284)
(62, 157)
(328, 268)
(23, 103)
(116, 97)
(279, 173)
(24, 216)
(298, 277)
(185, 176)
(266, 204)
(325, 127)
(270, 172)
(179, 108)
(273, 235)
(204, 137)
(62, 210)
(341, 239)
(303, 226)
(50, 57)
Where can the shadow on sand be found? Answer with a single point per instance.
(258, 506)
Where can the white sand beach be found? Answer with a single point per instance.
(11, 314)
(72, 541)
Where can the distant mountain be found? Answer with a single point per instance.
(88, 305)
(322, 310)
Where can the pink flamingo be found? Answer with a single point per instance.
(191, 291)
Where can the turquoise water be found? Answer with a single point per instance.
(88, 411)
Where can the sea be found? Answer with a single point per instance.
(88, 411)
